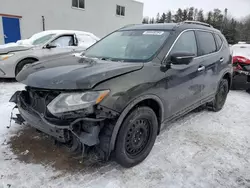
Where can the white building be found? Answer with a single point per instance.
(23, 18)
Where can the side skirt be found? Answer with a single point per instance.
(186, 111)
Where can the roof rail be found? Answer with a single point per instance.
(198, 23)
(125, 26)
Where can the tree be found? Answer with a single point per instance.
(158, 18)
(233, 30)
(163, 18)
(217, 19)
(190, 13)
(195, 14)
(200, 16)
(145, 20)
(152, 20)
(178, 16)
(209, 17)
(185, 15)
(169, 17)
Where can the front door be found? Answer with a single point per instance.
(11, 29)
(62, 45)
(183, 82)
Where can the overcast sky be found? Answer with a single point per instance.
(237, 8)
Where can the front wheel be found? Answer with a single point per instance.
(136, 137)
(23, 64)
(220, 97)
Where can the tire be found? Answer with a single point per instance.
(220, 97)
(136, 137)
(22, 63)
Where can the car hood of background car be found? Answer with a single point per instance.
(72, 72)
(9, 49)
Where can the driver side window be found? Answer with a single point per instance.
(64, 41)
(186, 43)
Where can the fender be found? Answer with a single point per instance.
(230, 78)
(127, 110)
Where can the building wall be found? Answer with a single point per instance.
(98, 17)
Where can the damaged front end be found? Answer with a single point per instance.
(73, 118)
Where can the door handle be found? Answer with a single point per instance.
(202, 68)
(221, 59)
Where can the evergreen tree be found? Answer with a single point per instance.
(152, 20)
(217, 19)
(163, 18)
(200, 16)
(145, 20)
(233, 30)
(209, 17)
(195, 14)
(191, 13)
(185, 15)
(178, 16)
(158, 18)
(169, 17)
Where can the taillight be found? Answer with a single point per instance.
(239, 59)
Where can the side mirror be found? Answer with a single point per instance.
(182, 58)
(49, 46)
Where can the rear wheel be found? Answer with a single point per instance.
(136, 137)
(22, 64)
(220, 97)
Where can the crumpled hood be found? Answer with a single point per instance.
(72, 72)
(14, 49)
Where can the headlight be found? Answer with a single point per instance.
(67, 102)
(5, 56)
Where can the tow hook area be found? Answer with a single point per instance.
(89, 132)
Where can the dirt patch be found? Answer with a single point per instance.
(31, 146)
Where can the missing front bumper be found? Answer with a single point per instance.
(85, 129)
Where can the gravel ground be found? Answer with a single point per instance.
(202, 149)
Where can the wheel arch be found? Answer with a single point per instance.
(26, 58)
(228, 77)
(151, 101)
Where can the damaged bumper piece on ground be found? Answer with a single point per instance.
(77, 129)
(241, 80)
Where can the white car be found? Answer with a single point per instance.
(14, 56)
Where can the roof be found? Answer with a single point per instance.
(168, 26)
(60, 32)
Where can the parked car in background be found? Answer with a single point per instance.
(14, 56)
(117, 96)
(241, 65)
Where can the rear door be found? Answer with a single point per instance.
(184, 83)
(210, 60)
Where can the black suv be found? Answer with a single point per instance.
(117, 95)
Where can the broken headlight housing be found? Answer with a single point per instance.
(67, 102)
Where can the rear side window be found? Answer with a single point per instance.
(186, 43)
(218, 41)
(206, 42)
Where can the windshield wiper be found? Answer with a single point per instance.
(110, 59)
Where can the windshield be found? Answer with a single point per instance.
(42, 40)
(136, 45)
